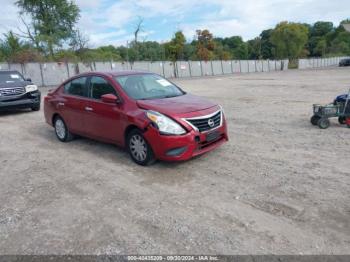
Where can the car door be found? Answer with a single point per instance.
(72, 104)
(103, 120)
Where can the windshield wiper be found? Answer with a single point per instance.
(158, 97)
(151, 98)
(170, 96)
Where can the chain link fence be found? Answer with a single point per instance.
(51, 74)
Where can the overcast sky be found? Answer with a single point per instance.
(113, 21)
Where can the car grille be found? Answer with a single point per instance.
(12, 91)
(206, 123)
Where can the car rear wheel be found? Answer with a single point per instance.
(62, 131)
(140, 151)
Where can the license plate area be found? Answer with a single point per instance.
(212, 136)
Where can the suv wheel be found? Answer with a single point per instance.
(140, 151)
(62, 131)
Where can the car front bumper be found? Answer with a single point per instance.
(184, 147)
(27, 100)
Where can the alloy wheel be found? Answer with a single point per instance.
(138, 147)
(60, 129)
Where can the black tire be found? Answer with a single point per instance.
(314, 120)
(61, 130)
(134, 143)
(36, 108)
(342, 120)
(323, 123)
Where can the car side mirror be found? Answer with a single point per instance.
(110, 99)
(28, 79)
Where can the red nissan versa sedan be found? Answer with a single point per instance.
(147, 114)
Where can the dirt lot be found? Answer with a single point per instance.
(279, 186)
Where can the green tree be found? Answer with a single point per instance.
(176, 46)
(103, 53)
(190, 51)
(341, 44)
(221, 52)
(238, 48)
(321, 48)
(14, 50)
(52, 21)
(266, 45)
(66, 56)
(318, 43)
(340, 40)
(289, 40)
(12, 44)
(313, 42)
(321, 28)
(151, 51)
(254, 48)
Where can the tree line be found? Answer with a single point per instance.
(49, 33)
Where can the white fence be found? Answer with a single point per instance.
(50, 74)
(319, 62)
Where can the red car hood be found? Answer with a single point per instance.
(176, 105)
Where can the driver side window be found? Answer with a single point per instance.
(99, 87)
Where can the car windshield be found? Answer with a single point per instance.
(10, 77)
(148, 86)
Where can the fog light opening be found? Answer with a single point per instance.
(176, 151)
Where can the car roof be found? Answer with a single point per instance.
(115, 73)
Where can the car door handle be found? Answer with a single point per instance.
(89, 109)
(60, 104)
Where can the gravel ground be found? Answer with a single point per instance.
(278, 186)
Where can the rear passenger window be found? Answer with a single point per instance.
(99, 87)
(76, 87)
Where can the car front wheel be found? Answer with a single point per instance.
(62, 131)
(140, 151)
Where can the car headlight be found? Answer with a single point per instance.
(31, 88)
(165, 124)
